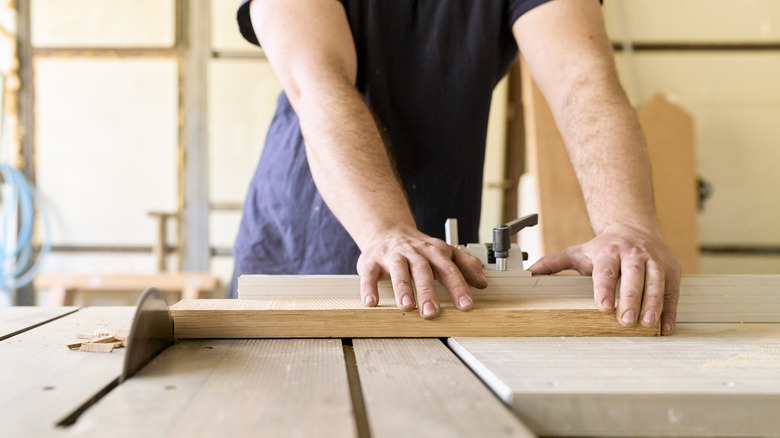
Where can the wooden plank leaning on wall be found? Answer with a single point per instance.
(557, 196)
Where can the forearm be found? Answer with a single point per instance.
(310, 48)
(608, 153)
(576, 73)
(348, 160)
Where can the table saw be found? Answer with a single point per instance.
(719, 375)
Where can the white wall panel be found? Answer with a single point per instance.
(224, 28)
(694, 20)
(223, 227)
(739, 154)
(242, 101)
(106, 134)
(698, 78)
(739, 264)
(102, 23)
(735, 103)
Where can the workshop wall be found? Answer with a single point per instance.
(733, 95)
(107, 127)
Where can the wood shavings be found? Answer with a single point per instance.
(100, 341)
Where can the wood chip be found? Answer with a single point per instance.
(96, 348)
(101, 341)
(122, 335)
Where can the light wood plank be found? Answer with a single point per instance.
(708, 379)
(234, 388)
(14, 320)
(501, 284)
(347, 318)
(417, 387)
(670, 141)
(42, 381)
(703, 298)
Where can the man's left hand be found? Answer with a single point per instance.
(648, 271)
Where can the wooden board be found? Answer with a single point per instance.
(43, 382)
(417, 387)
(500, 285)
(348, 318)
(15, 320)
(668, 131)
(236, 388)
(703, 298)
(707, 380)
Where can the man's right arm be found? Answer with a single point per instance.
(310, 48)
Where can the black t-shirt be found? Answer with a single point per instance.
(427, 69)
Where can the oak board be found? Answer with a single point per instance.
(348, 318)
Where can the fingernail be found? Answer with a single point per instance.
(429, 309)
(608, 304)
(465, 302)
(667, 330)
(369, 300)
(406, 301)
(629, 317)
(649, 317)
(482, 277)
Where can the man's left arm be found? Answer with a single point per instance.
(567, 50)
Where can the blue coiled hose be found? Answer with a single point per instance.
(16, 268)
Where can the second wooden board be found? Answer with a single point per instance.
(347, 318)
(706, 380)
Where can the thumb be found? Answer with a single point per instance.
(553, 263)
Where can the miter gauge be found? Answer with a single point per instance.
(501, 254)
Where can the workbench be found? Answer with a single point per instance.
(709, 379)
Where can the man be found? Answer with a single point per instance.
(379, 137)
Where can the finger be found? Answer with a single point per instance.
(553, 263)
(422, 278)
(448, 274)
(606, 270)
(369, 294)
(671, 298)
(401, 279)
(470, 267)
(632, 286)
(653, 299)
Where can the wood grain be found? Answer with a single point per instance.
(703, 298)
(347, 318)
(418, 387)
(707, 380)
(281, 387)
(42, 381)
(14, 320)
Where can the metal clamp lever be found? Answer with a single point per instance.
(502, 236)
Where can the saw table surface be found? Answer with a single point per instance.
(710, 379)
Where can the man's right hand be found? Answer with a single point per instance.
(413, 261)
